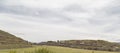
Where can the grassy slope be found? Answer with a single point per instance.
(8, 41)
(57, 50)
(7, 38)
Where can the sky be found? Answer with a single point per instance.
(43, 20)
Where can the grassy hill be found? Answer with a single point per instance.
(8, 41)
(85, 44)
(54, 49)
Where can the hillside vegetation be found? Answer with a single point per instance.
(8, 41)
(86, 44)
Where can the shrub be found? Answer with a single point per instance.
(12, 52)
(43, 50)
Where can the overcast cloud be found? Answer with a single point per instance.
(42, 20)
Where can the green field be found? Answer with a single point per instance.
(55, 50)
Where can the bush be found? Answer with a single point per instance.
(43, 50)
(12, 52)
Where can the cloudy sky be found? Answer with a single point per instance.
(42, 20)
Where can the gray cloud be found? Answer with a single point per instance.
(35, 12)
(75, 8)
(113, 8)
(74, 20)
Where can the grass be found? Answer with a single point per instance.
(51, 49)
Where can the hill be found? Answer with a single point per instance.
(8, 41)
(86, 44)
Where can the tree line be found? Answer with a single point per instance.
(85, 44)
